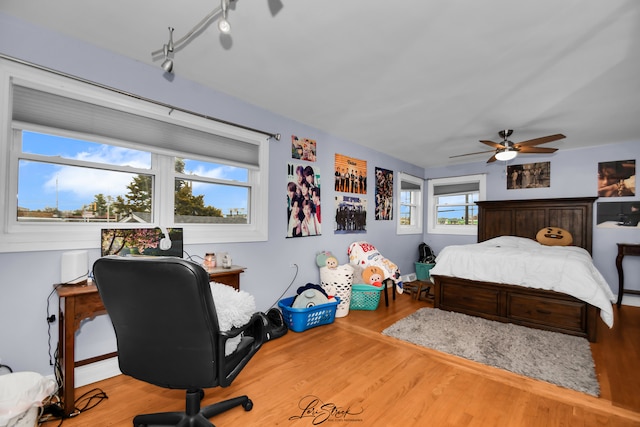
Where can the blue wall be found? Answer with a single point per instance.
(27, 278)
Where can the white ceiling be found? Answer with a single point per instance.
(419, 80)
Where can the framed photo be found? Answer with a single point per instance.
(617, 179)
(529, 175)
(618, 215)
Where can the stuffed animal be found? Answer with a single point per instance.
(326, 259)
(373, 275)
(310, 295)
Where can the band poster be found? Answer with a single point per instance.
(351, 215)
(303, 149)
(303, 201)
(384, 194)
(350, 175)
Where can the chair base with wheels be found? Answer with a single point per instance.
(194, 416)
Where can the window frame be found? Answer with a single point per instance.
(18, 237)
(432, 218)
(418, 204)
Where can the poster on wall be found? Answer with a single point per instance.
(530, 175)
(351, 215)
(618, 215)
(303, 201)
(303, 149)
(350, 175)
(617, 179)
(384, 194)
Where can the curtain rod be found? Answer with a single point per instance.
(171, 108)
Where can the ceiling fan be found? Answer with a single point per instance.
(507, 150)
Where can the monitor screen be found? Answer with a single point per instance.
(141, 242)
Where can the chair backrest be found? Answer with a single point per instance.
(164, 319)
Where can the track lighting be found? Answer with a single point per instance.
(167, 64)
(223, 26)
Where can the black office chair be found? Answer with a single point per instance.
(167, 332)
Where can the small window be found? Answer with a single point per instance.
(453, 208)
(410, 205)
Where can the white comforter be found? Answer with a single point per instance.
(520, 261)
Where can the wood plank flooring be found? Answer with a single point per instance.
(349, 372)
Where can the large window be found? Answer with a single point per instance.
(410, 205)
(79, 157)
(453, 208)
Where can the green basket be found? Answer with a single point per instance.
(365, 297)
(423, 270)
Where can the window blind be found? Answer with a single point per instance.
(47, 109)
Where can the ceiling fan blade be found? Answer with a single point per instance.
(492, 144)
(538, 141)
(537, 150)
(471, 154)
(492, 159)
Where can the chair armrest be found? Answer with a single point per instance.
(255, 329)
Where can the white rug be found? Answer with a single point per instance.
(557, 358)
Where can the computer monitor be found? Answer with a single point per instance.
(141, 242)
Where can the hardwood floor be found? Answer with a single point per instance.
(367, 379)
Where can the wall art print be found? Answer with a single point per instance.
(384, 194)
(617, 179)
(618, 215)
(351, 215)
(303, 149)
(350, 175)
(304, 216)
(529, 175)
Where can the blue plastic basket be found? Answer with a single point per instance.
(301, 319)
(365, 297)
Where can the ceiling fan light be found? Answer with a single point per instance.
(506, 155)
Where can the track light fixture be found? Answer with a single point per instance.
(223, 26)
(167, 64)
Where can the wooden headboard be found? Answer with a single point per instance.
(523, 218)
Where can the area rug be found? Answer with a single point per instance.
(557, 358)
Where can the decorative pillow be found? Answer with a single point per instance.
(554, 236)
(234, 309)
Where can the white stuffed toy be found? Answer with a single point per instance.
(234, 309)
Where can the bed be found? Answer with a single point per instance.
(528, 306)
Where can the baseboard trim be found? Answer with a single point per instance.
(631, 300)
(96, 371)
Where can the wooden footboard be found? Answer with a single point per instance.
(534, 308)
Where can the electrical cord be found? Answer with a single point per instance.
(290, 284)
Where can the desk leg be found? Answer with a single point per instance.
(620, 278)
(66, 355)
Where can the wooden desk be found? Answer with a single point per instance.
(632, 249)
(79, 302)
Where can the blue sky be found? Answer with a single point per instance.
(69, 187)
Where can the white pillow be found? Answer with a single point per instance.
(234, 309)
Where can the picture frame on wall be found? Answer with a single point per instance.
(617, 179)
(529, 175)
